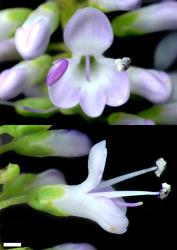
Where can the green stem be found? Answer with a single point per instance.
(57, 46)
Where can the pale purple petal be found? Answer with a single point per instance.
(92, 100)
(69, 143)
(96, 165)
(88, 32)
(115, 84)
(32, 41)
(166, 52)
(57, 71)
(151, 84)
(118, 4)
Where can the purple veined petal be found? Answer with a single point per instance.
(153, 85)
(88, 32)
(96, 165)
(57, 71)
(74, 246)
(115, 84)
(32, 41)
(65, 92)
(112, 5)
(8, 50)
(49, 177)
(69, 143)
(166, 52)
(92, 100)
(12, 82)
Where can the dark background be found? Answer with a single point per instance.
(140, 49)
(130, 148)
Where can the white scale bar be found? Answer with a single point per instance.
(11, 244)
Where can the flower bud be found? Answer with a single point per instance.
(156, 17)
(33, 36)
(45, 143)
(112, 5)
(165, 114)
(25, 74)
(153, 85)
(121, 118)
(10, 20)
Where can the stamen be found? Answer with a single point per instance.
(161, 165)
(87, 68)
(122, 64)
(165, 190)
(128, 204)
(125, 177)
(117, 194)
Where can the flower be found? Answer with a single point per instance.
(22, 76)
(88, 77)
(156, 17)
(86, 199)
(153, 85)
(33, 36)
(111, 5)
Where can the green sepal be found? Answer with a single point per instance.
(123, 25)
(21, 130)
(41, 103)
(35, 145)
(151, 113)
(42, 198)
(9, 173)
(16, 16)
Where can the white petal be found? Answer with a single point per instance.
(96, 165)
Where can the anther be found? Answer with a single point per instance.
(161, 165)
(122, 64)
(165, 190)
